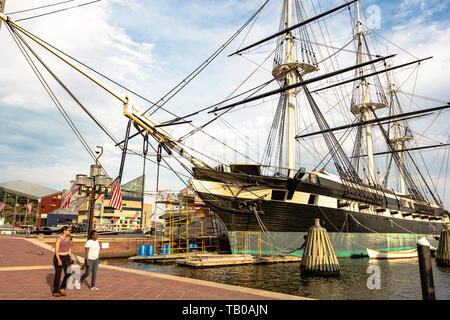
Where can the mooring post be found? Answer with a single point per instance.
(426, 271)
(319, 257)
(443, 251)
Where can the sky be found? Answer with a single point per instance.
(150, 46)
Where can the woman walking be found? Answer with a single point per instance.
(91, 252)
(61, 261)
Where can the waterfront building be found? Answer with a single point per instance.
(27, 203)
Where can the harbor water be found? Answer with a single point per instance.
(360, 279)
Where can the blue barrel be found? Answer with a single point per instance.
(193, 247)
(150, 250)
(142, 249)
(165, 249)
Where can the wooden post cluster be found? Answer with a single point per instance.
(319, 257)
(443, 251)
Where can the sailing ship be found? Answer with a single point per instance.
(356, 208)
(277, 196)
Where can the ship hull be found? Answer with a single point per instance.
(256, 223)
(270, 215)
(286, 225)
(279, 216)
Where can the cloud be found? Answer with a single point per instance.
(151, 46)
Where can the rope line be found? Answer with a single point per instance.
(37, 8)
(60, 10)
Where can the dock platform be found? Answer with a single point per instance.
(206, 260)
(233, 260)
(166, 257)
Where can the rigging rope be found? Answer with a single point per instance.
(200, 68)
(53, 97)
(73, 127)
(45, 14)
(37, 8)
(108, 78)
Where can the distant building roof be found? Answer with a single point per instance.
(27, 189)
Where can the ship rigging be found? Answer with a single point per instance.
(276, 194)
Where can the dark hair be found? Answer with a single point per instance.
(92, 233)
(64, 229)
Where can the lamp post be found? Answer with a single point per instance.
(93, 186)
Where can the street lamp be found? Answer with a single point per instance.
(93, 186)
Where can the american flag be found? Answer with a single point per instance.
(116, 197)
(72, 191)
(2, 206)
(29, 208)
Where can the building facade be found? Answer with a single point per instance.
(27, 203)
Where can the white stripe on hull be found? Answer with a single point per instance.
(299, 197)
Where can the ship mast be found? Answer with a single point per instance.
(366, 112)
(287, 70)
(291, 78)
(398, 139)
(364, 109)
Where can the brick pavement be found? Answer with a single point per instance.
(26, 273)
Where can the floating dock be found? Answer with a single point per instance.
(166, 257)
(202, 260)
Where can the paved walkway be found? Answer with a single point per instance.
(26, 273)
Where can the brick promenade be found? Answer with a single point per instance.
(26, 273)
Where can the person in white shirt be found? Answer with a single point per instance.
(91, 252)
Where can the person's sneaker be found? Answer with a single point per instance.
(57, 294)
(77, 286)
(61, 292)
(94, 289)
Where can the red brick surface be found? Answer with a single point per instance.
(15, 251)
(34, 280)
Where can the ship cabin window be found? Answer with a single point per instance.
(278, 195)
(312, 199)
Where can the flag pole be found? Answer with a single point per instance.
(91, 212)
(145, 150)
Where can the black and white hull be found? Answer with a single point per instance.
(262, 206)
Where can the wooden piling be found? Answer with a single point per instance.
(319, 257)
(443, 251)
(426, 271)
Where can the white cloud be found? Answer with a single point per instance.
(152, 45)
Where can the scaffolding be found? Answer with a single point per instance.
(188, 225)
(242, 241)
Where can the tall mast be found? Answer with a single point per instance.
(366, 112)
(364, 109)
(398, 140)
(291, 93)
(288, 70)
